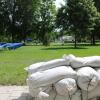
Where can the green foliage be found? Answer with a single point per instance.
(43, 20)
(78, 16)
(19, 18)
(97, 4)
(16, 18)
(81, 14)
(3, 16)
(62, 18)
(96, 30)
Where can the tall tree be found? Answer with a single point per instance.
(16, 16)
(80, 16)
(20, 12)
(3, 18)
(44, 22)
(96, 30)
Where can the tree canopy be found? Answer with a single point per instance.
(44, 22)
(78, 15)
(39, 18)
(16, 17)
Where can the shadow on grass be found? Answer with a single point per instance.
(62, 48)
(88, 45)
(78, 44)
(65, 44)
(2, 50)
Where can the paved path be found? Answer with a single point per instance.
(14, 93)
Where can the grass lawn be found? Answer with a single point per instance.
(13, 62)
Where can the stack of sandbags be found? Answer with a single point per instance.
(88, 78)
(37, 81)
(44, 78)
(68, 78)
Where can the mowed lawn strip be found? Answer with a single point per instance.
(13, 62)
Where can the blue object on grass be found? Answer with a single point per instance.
(10, 45)
(14, 45)
(2, 43)
(3, 46)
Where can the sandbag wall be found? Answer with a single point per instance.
(67, 78)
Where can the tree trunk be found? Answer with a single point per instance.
(46, 40)
(93, 39)
(12, 32)
(62, 37)
(46, 43)
(13, 21)
(75, 42)
(12, 37)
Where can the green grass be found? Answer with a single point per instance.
(13, 62)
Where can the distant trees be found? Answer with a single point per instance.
(3, 18)
(79, 16)
(96, 30)
(19, 18)
(16, 18)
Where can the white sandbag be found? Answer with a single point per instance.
(66, 87)
(69, 57)
(87, 78)
(47, 65)
(76, 96)
(93, 61)
(92, 94)
(98, 71)
(77, 62)
(32, 68)
(51, 76)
